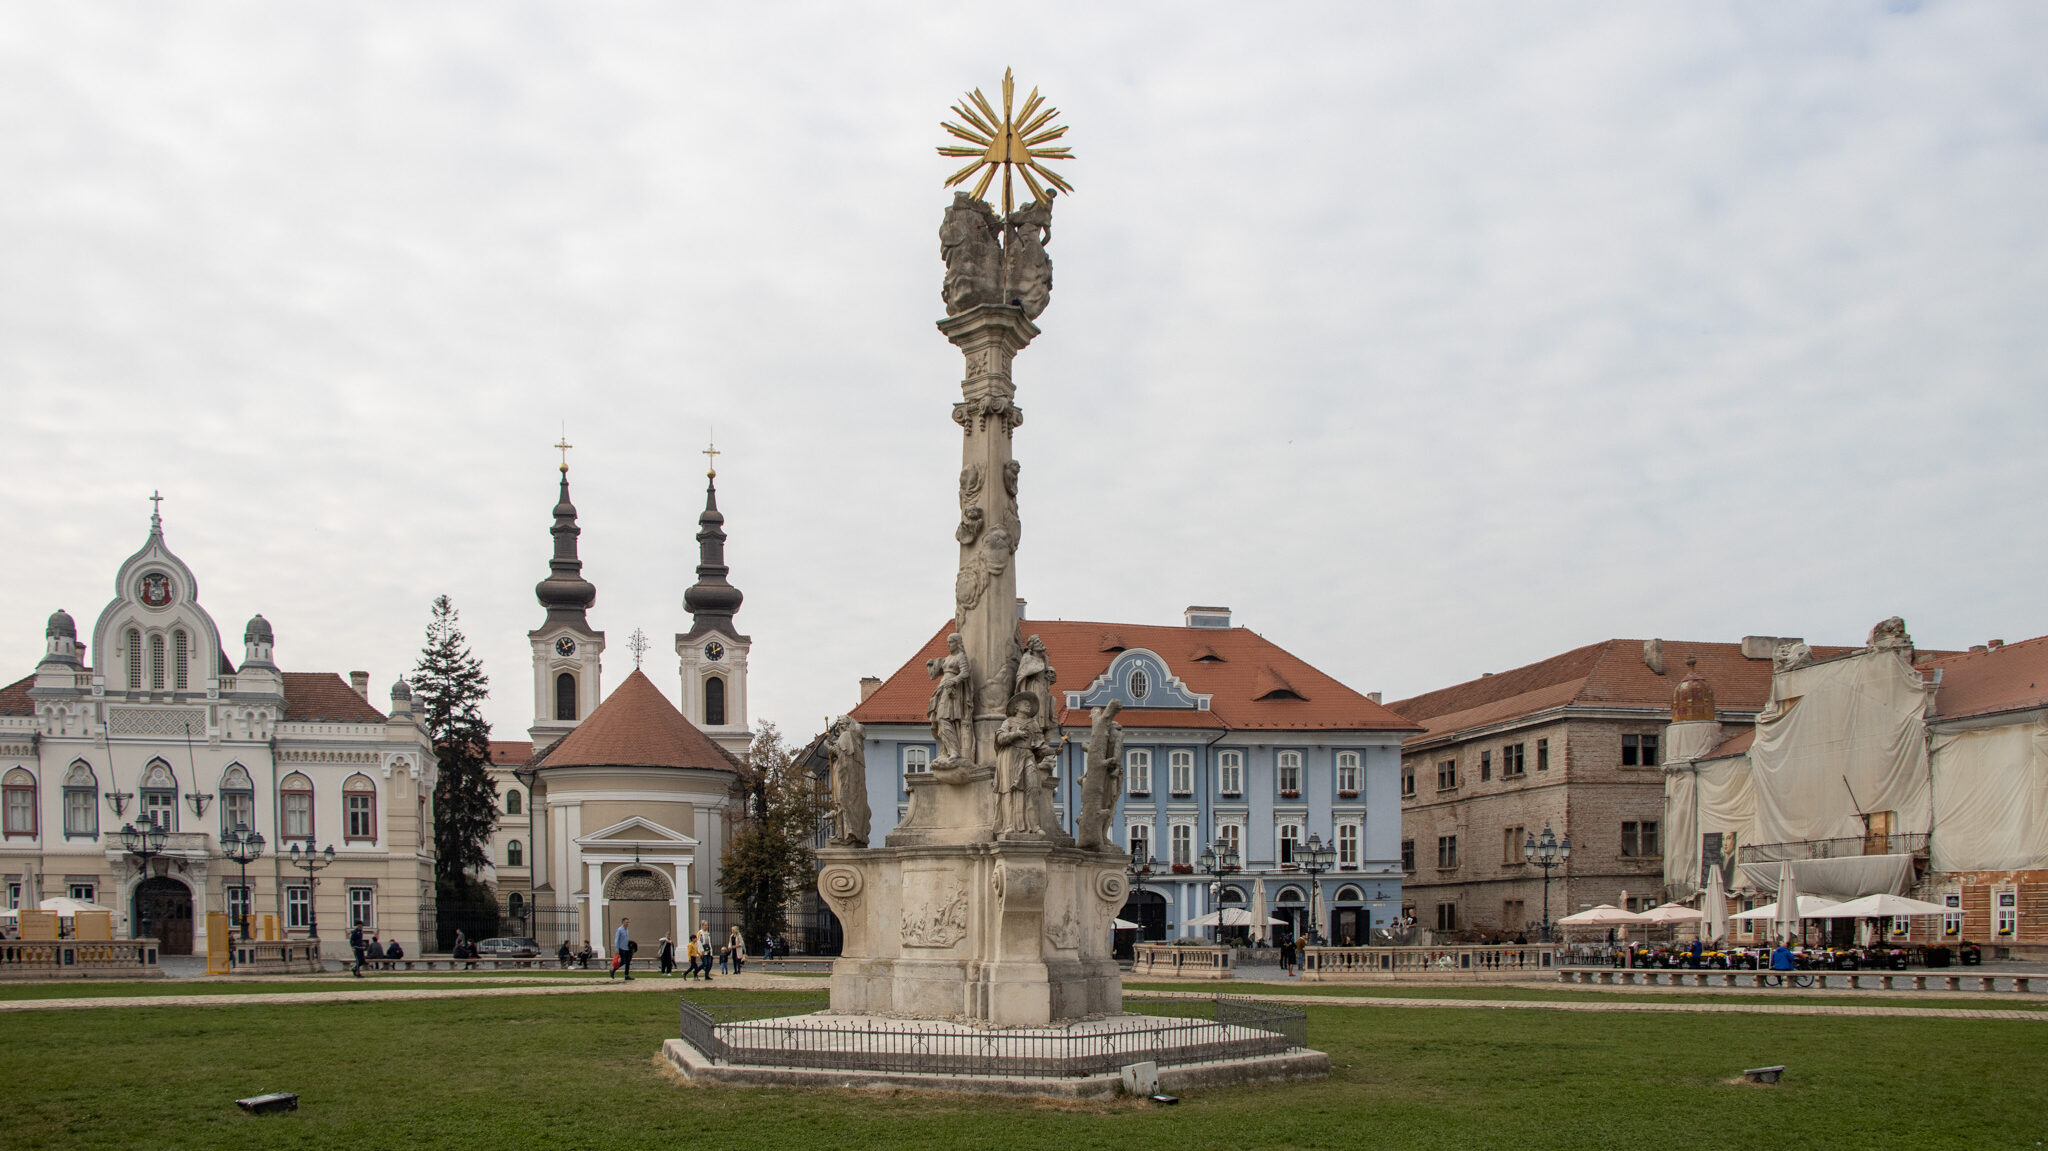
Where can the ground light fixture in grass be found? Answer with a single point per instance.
(575, 1071)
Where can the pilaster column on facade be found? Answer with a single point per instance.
(593, 882)
(989, 337)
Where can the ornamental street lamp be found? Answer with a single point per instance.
(1219, 860)
(310, 862)
(144, 843)
(1315, 857)
(1139, 869)
(243, 846)
(1547, 853)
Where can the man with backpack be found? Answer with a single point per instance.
(356, 944)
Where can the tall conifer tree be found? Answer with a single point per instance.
(448, 687)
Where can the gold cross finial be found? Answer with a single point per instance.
(563, 445)
(638, 645)
(711, 454)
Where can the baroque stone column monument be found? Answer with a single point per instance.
(979, 907)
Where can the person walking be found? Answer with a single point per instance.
(738, 946)
(667, 956)
(704, 946)
(622, 950)
(690, 947)
(356, 944)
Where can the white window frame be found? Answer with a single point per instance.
(1180, 767)
(2005, 911)
(1180, 835)
(1287, 764)
(1952, 921)
(1350, 773)
(1139, 830)
(240, 902)
(362, 907)
(298, 907)
(917, 760)
(83, 892)
(1282, 854)
(1350, 844)
(1232, 832)
(1230, 773)
(1138, 771)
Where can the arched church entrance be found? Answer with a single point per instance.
(1147, 909)
(642, 895)
(163, 908)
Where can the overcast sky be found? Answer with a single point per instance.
(1432, 340)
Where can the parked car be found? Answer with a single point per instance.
(508, 947)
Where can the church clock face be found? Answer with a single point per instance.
(565, 647)
(154, 589)
(714, 651)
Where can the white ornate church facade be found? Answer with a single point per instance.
(618, 806)
(149, 719)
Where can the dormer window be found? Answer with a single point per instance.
(1140, 685)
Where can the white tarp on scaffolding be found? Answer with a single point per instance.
(1842, 878)
(1991, 799)
(1840, 739)
(1705, 799)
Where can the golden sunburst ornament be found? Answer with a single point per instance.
(1007, 143)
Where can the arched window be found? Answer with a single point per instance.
(81, 801)
(511, 801)
(1289, 895)
(515, 905)
(1350, 894)
(18, 802)
(156, 663)
(134, 660)
(359, 810)
(180, 647)
(160, 794)
(714, 702)
(237, 800)
(515, 855)
(565, 696)
(1233, 895)
(295, 795)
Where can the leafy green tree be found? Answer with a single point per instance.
(449, 688)
(768, 862)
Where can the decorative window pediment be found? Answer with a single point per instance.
(1139, 678)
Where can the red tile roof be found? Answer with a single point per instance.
(1610, 673)
(1242, 670)
(324, 697)
(1734, 745)
(636, 726)
(14, 697)
(511, 753)
(2006, 678)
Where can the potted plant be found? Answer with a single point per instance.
(1183, 868)
(1290, 794)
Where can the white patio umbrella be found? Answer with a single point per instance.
(1121, 924)
(1716, 905)
(1605, 915)
(1885, 905)
(1788, 901)
(1621, 930)
(1259, 900)
(65, 905)
(1673, 913)
(1229, 917)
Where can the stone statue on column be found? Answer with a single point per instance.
(1103, 783)
(849, 777)
(1035, 676)
(1027, 270)
(952, 707)
(968, 242)
(1020, 745)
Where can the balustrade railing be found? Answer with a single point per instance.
(1453, 961)
(73, 958)
(1181, 960)
(1846, 847)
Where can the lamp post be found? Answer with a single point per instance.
(144, 843)
(1139, 870)
(1315, 857)
(1547, 853)
(243, 846)
(1217, 861)
(310, 862)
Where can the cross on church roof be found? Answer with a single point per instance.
(711, 454)
(563, 445)
(156, 508)
(637, 644)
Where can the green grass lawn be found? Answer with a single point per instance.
(95, 989)
(2003, 1001)
(580, 1071)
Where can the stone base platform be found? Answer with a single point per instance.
(1079, 1060)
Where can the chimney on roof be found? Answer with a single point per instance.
(1996, 644)
(1200, 616)
(1653, 655)
(869, 685)
(1978, 648)
(360, 680)
(1373, 696)
(1020, 608)
(1766, 646)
